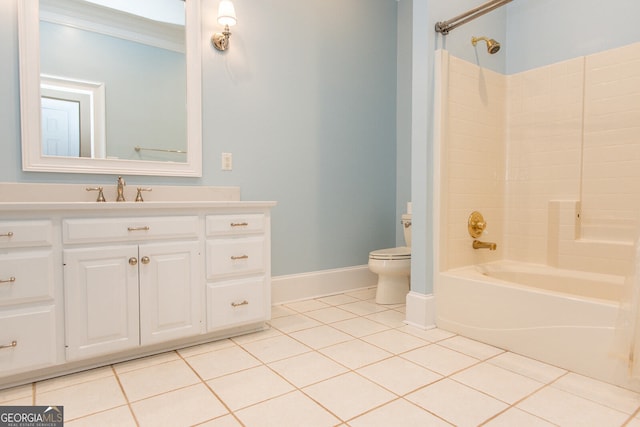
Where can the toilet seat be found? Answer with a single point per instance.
(400, 253)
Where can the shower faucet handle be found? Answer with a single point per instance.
(476, 224)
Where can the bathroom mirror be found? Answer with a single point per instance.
(137, 115)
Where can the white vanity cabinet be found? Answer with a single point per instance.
(87, 284)
(118, 297)
(27, 303)
(238, 270)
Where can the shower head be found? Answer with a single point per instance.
(492, 45)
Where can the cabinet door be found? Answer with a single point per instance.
(101, 300)
(171, 291)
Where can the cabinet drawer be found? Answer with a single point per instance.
(230, 257)
(236, 303)
(128, 229)
(16, 234)
(235, 224)
(26, 277)
(33, 332)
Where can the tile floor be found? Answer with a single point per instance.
(335, 361)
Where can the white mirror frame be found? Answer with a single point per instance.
(30, 110)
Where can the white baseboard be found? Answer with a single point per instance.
(421, 310)
(316, 284)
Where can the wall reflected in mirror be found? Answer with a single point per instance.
(113, 78)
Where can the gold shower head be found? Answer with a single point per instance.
(492, 45)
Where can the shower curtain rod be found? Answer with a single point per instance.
(445, 26)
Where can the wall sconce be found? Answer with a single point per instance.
(226, 17)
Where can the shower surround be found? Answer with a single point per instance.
(551, 157)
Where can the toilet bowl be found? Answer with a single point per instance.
(393, 267)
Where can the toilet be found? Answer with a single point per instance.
(393, 267)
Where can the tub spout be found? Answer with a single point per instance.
(477, 244)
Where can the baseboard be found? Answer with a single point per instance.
(316, 284)
(421, 310)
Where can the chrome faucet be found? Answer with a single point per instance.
(477, 244)
(121, 185)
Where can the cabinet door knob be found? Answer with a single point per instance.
(145, 260)
(133, 261)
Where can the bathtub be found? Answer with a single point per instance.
(561, 317)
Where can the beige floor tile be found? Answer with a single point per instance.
(306, 305)
(609, 395)
(183, 407)
(224, 421)
(84, 398)
(72, 379)
(395, 341)
(120, 416)
(205, 348)
(269, 332)
(296, 322)
(531, 368)
(355, 354)
(391, 318)
(290, 410)
(471, 348)
(321, 336)
(14, 393)
(348, 395)
(222, 362)
(157, 379)
(249, 387)
(338, 299)
(307, 369)
(330, 315)
(431, 335)
(515, 417)
(457, 403)
(363, 308)
(277, 348)
(566, 409)
(145, 362)
(359, 327)
(281, 311)
(398, 413)
(440, 359)
(399, 375)
(497, 382)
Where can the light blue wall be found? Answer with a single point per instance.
(544, 32)
(305, 99)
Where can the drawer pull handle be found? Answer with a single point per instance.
(9, 234)
(237, 257)
(238, 304)
(10, 280)
(145, 228)
(239, 224)
(13, 344)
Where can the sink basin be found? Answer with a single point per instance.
(68, 193)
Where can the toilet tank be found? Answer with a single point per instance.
(406, 226)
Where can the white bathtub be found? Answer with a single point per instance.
(561, 317)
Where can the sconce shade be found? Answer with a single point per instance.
(226, 13)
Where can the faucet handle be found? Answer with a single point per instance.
(139, 195)
(100, 193)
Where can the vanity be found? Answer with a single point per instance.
(86, 283)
